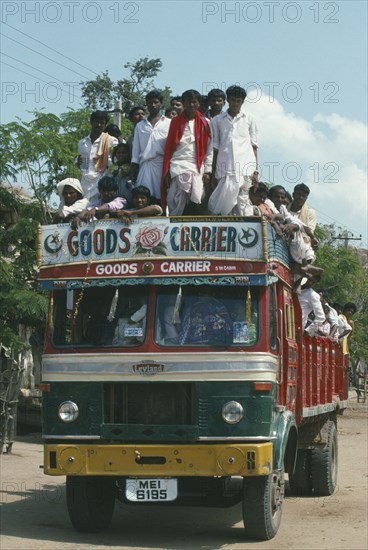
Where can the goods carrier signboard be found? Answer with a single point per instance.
(155, 239)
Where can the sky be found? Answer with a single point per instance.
(303, 64)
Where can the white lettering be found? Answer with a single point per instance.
(199, 266)
(117, 269)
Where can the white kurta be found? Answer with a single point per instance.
(299, 249)
(148, 151)
(75, 208)
(234, 139)
(308, 217)
(90, 177)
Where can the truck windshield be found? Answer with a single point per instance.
(206, 316)
(105, 316)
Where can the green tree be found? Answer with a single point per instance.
(41, 152)
(345, 279)
(21, 302)
(102, 92)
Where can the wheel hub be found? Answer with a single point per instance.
(278, 490)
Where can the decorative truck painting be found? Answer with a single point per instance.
(176, 370)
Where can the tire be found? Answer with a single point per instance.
(90, 501)
(300, 482)
(324, 464)
(262, 505)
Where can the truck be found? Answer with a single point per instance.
(176, 370)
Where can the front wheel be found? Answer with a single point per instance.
(90, 501)
(262, 505)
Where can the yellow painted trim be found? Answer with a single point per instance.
(39, 245)
(264, 238)
(180, 460)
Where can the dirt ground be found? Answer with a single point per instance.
(34, 515)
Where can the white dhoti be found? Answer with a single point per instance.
(231, 196)
(150, 172)
(184, 188)
(300, 251)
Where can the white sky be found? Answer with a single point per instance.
(304, 65)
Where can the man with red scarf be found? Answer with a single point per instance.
(187, 159)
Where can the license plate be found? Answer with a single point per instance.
(151, 490)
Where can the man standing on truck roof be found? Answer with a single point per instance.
(188, 158)
(235, 144)
(94, 154)
(149, 145)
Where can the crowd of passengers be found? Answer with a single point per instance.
(196, 159)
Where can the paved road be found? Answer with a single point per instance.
(34, 515)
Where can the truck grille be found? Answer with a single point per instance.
(149, 403)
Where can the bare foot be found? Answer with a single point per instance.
(311, 270)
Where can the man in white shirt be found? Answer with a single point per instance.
(149, 145)
(301, 251)
(310, 302)
(94, 154)
(339, 327)
(306, 215)
(235, 144)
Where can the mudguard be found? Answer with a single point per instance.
(285, 430)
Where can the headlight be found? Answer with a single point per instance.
(232, 412)
(68, 411)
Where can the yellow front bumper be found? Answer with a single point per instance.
(159, 460)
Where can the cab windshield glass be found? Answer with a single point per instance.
(206, 316)
(105, 316)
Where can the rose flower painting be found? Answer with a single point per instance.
(149, 240)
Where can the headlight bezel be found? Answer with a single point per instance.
(232, 412)
(68, 407)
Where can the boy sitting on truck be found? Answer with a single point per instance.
(108, 204)
(72, 201)
(141, 198)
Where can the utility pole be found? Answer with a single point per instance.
(117, 113)
(344, 236)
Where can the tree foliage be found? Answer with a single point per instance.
(21, 302)
(102, 92)
(345, 279)
(41, 152)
